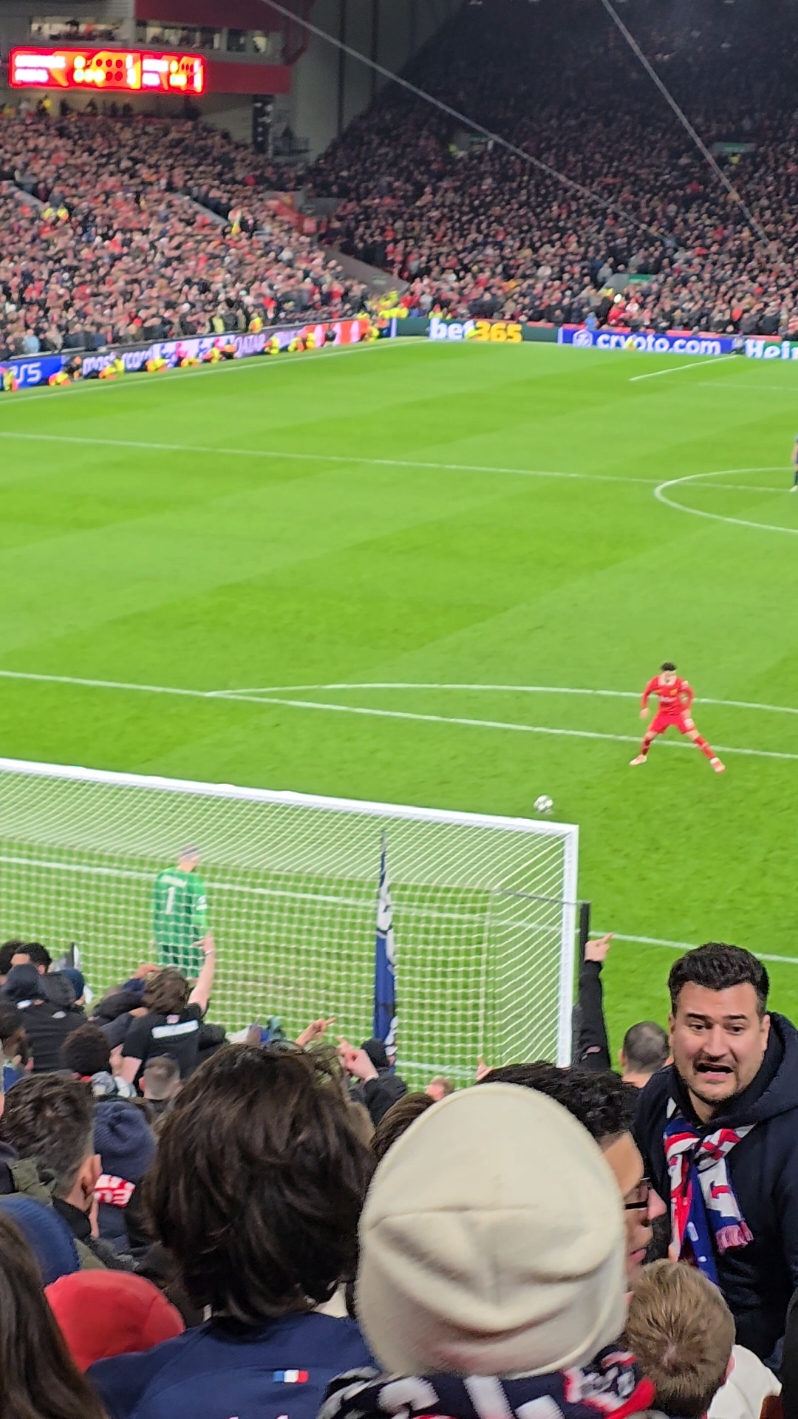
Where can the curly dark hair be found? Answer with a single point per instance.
(86, 1051)
(602, 1103)
(717, 966)
(51, 1118)
(258, 1183)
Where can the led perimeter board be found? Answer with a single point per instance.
(124, 71)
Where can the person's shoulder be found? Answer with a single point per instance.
(123, 1381)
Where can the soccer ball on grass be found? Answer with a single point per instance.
(544, 804)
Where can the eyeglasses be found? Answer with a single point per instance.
(640, 1197)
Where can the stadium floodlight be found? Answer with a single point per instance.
(484, 907)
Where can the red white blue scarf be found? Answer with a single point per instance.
(705, 1213)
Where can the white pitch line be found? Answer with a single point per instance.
(321, 457)
(693, 479)
(494, 689)
(691, 946)
(347, 459)
(677, 369)
(469, 723)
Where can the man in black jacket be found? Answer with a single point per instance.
(718, 1130)
(373, 1081)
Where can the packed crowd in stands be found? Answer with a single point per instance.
(196, 1226)
(121, 244)
(478, 231)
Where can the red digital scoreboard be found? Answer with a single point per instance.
(119, 71)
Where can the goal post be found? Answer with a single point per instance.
(484, 907)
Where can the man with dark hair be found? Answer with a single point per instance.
(719, 1132)
(605, 1106)
(256, 1192)
(645, 1049)
(86, 1053)
(8, 951)
(34, 954)
(51, 1121)
(46, 1023)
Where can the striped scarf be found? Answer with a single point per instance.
(704, 1208)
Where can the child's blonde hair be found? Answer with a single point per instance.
(682, 1332)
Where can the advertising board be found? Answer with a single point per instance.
(661, 344)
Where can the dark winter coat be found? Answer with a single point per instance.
(757, 1280)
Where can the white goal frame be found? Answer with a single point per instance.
(60, 861)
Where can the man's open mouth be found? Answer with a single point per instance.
(713, 1069)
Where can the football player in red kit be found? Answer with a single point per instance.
(675, 699)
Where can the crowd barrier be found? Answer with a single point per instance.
(31, 370)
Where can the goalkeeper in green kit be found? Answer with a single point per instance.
(180, 915)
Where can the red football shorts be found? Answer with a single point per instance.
(663, 719)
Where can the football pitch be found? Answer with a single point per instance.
(440, 575)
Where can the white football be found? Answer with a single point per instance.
(544, 804)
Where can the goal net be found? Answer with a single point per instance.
(484, 907)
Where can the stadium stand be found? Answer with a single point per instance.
(477, 231)
(121, 242)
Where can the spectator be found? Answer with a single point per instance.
(86, 1053)
(32, 953)
(38, 1378)
(46, 1024)
(377, 1086)
(439, 1088)
(78, 983)
(605, 1106)
(592, 1049)
(172, 1022)
(51, 1120)
(492, 1268)
(160, 1083)
(13, 1045)
(47, 1234)
(8, 951)
(125, 1145)
(256, 1192)
(645, 1050)
(682, 1334)
(106, 1313)
(719, 1132)
(397, 1120)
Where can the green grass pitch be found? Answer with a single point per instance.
(156, 533)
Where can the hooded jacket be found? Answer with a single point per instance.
(757, 1280)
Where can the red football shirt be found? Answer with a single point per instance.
(673, 698)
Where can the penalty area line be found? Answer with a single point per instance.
(228, 696)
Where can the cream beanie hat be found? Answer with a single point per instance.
(492, 1241)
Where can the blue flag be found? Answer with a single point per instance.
(385, 963)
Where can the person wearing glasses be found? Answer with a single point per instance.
(605, 1106)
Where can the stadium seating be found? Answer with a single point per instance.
(478, 231)
(126, 246)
